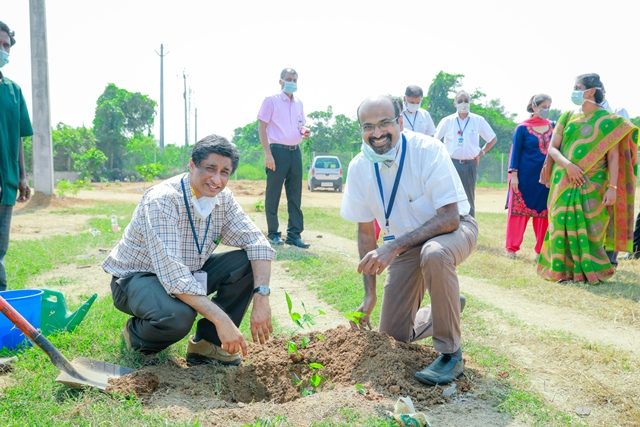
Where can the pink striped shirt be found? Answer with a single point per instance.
(284, 118)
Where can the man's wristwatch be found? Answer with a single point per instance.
(263, 290)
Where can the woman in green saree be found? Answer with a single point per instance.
(592, 188)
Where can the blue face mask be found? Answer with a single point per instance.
(290, 87)
(4, 58)
(374, 157)
(543, 113)
(577, 97)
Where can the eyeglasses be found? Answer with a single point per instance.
(382, 124)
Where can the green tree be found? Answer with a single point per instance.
(120, 115)
(67, 141)
(90, 164)
(140, 149)
(439, 99)
(554, 114)
(502, 123)
(248, 142)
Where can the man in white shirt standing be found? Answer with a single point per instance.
(419, 201)
(415, 118)
(462, 131)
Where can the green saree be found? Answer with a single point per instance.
(580, 226)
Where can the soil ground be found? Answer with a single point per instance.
(262, 387)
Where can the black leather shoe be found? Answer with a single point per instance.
(297, 242)
(442, 371)
(275, 240)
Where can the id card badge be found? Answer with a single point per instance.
(388, 238)
(201, 278)
(460, 140)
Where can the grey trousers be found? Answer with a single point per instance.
(159, 320)
(288, 172)
(5, 228)
(430, 267)
(468, 172)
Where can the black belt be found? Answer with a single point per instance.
(463, 161)
(285, 147)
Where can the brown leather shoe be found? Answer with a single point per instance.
(203, 352)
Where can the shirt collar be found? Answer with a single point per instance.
(285, 97)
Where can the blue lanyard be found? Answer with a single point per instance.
(460, 129)
(415, 116)
(387, 210)
(193, 228)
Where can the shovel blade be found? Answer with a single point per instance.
(96, 373)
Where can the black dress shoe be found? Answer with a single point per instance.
(442, 371)
(275, 240)
(297, 242)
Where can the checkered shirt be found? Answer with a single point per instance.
(159, 238)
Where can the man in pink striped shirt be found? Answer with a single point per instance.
(281, 129)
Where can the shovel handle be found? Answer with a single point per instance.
(36, 336)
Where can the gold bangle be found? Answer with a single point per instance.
(612, 186)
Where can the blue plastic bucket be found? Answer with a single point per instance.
(27, 302)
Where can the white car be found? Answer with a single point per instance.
(325, 172)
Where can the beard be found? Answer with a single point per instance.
(379, 147)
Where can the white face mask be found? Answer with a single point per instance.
(412, 108)
(374, 157)
(462, 107)
(204, 205)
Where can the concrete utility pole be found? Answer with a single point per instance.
(195, 126)
(162, 55)
(186, 110)
(42, 147)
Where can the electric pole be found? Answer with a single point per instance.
(162, 55)
(195, 125)
(186, 110)
(42, 147)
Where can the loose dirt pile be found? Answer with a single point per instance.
(382, 365)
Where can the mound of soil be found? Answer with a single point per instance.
(384, 366)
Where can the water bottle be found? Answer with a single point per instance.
(114, 224)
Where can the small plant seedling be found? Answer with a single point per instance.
(301, 320)
(305, 342)
(354, 316)
(259, 205)
(360, 389)
(315, 379)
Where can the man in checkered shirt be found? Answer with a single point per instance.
(164, 267)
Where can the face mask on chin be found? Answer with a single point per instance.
(204, 205)
(374, 157)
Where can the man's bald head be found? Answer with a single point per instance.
(380, 101)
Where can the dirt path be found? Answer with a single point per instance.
(553, 318)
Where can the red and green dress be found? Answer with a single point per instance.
(580, 226)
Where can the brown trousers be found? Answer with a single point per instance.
(430, 267)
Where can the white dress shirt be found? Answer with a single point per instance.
(420, 121)
(428, 182)
(470, 130)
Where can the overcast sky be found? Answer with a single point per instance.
(233, 51)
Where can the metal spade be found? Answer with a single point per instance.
(79, 372)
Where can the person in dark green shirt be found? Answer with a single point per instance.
(14, 125)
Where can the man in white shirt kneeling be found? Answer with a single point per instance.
(418, 200)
